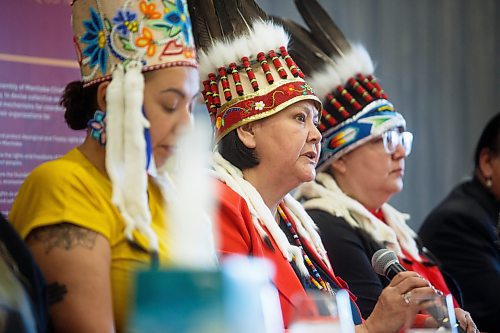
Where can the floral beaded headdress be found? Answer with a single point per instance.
(246, 71)
(109, 32)
(355, 107)
(118, 40)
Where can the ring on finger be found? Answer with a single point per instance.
(407, 297)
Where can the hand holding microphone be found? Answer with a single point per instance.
(386, 263)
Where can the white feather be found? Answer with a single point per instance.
(335, 73)
(242, 47)
(263, 37)
(266, 35)
(365, 60)
(191, 232)
(136, 209)
(114, 134)
(325, 80)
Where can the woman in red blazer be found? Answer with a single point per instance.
(265, 117)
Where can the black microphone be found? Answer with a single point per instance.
(386, 263)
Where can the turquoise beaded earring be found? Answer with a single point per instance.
(97, 126)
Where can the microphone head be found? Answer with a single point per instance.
(382, 259)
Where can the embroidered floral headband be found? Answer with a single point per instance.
(255, 79)
(110, 32)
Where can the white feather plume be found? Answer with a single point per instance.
(264, 36)
(114, 134)
(191, 232)
(335, 73)
(135, 208)
(364, 59)
(325, 80)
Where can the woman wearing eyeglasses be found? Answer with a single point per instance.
(348, 202)
(361, 166)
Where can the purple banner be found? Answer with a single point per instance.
(37, 60)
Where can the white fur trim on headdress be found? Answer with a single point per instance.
(262, 216)
(263, 36)
(126, 150)
(324, 194)
(114, 133)
(340, 69)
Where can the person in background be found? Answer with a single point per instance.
(462, 231)
(361, 166)
(24, 299)
(267, 143)
(97, 214)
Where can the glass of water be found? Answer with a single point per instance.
(318, 312)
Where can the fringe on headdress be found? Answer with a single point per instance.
(125, 150)
(263, 218)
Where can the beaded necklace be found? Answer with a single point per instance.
(314, 276)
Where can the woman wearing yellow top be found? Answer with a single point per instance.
(94, 215)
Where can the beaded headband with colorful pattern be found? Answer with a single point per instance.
(251, 77)
(375, 118)
(118, 40)
(355, 107)
(109, 32)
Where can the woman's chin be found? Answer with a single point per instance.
(160, 161)
(161, 156)
(308, 177)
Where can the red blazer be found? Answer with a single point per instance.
(238, 236)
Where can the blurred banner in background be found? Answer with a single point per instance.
(438, 61)
(37, 60)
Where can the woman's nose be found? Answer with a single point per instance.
(315, 134)
(185, 117)
(400, 151)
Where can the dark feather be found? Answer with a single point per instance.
(304, 51)
(238, 16)
(225, 16)
(327, 34)
(251, 10)
(215, 20)
(205, 23)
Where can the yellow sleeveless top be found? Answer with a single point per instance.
(70, 189)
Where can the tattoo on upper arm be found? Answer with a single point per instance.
(65, 236)
(56, 292)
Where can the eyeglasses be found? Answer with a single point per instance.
(393, 138)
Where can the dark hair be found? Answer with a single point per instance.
(80, 104)
(233, 150)
(490, 139)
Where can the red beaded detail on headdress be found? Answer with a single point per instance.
(360, 90)
(296, 72)
(226, 90)
(345, 101)
(272, 100)
(215, 89)
(253, 91)
(348, 97)
(250, 73)
(236, 78)
(207, 94)
(326, 118)
(277, 64)
(377, 85)
(339, 107)
(261, 57)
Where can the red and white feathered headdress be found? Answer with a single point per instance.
(245, 68)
